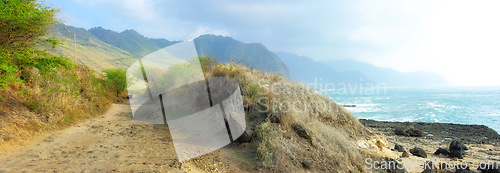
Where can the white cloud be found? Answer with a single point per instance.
(457, 39)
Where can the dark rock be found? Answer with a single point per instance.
(308, 163)
(492, 168)
(456, 145)
(429, 167)
(463, 170)
(395, 167)
(409, 131)
(456, 154)
(457, 150)
(418, 152)
(399, 148)
(405, 154)
(275, 118)
(247, 136)
(443, 166)
(302, 132)
(442, 151)
(176, 164)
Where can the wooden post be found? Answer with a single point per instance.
(75, 45)
(74, 36)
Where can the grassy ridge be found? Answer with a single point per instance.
(275, 108)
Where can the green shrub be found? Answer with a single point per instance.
(7, 72)
(116, 80)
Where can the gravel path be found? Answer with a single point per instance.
(111, 143)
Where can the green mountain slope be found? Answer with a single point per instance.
(90, 50)
(130, 40)
(100, 48)
(253, 55)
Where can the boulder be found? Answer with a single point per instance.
(418, 152)
(457, 150)
(456, 154)
(456, 145)
(399, 148)
(492, 168)
(442, 151)
(409, 131)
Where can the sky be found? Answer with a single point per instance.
(460, 40)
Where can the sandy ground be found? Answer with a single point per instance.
(116, 143)
(483, 143)
(113, 143)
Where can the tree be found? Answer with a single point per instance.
(24, 22)
(116, 79)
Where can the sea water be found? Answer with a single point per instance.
(460, 105)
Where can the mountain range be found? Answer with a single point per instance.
(387, 76)
(100, 48)
(306, 70)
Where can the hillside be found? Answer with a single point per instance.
(90, 50)
(99, 49)
(283, 138)
(41, 91)
(253, 55)
(130, 41)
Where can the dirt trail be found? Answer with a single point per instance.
(113, 142)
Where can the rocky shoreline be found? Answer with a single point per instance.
(416, 142)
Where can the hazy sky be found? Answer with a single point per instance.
(460, 40)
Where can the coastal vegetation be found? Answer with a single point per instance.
(41, 91)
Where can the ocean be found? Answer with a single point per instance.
(460, 105)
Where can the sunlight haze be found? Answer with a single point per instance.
(457, 39)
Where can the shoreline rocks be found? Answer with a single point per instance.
(409, 131)
(399, 148)
(456, 150)
(418, 152)
(470, 134)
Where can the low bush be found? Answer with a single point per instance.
(116, 80)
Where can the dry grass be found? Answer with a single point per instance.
(334, 131)
(52, 101)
